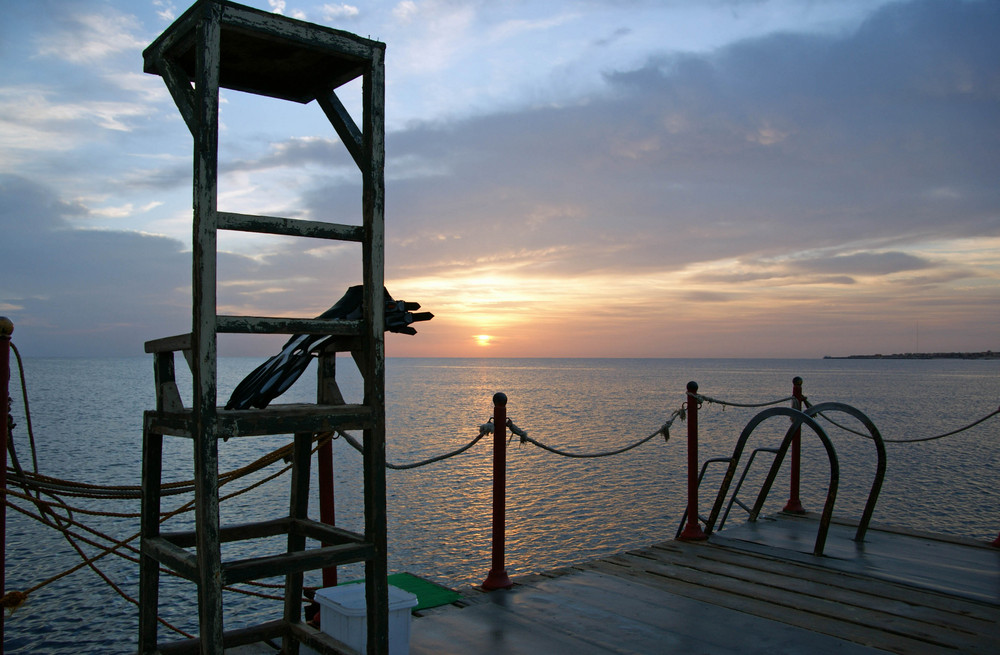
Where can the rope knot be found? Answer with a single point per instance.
(516, 430)
(12, 600)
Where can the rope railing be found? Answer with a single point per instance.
(48, 493)
(702, 398)
(915, 440)
(664, 430)
(57, 514)
(484, 429)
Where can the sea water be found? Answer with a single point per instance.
(87, 415)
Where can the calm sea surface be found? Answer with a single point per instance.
(86, 415)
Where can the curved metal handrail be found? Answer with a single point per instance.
(866, 516)
(798, 419)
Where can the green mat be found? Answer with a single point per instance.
(429, 594)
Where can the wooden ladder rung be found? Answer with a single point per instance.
(293, 227)
(275, 325)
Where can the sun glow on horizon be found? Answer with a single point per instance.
(483, 339)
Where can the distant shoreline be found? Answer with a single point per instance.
(988, 354)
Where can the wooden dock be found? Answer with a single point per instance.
(752, 589)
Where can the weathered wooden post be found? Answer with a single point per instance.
(6, 329)
(692, 531)
(497, 577)
(794, 505)
(327, 392)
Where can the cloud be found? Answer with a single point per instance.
(772, 181)
(166, 9)
(332, 12)
(865, 263)
(32, 120)
(86, 38)
(778, 144)
(84, 292)
(405, 11)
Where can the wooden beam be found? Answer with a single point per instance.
(306, 34)
(203, 282)
(180, 90)
(180, 560)
(231, 639)
(167, 344)
(277, 325)
(307, 560)
(317, 640)
(345, 126)
(289, 227)
(373, 258)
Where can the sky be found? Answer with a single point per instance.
(568, 178)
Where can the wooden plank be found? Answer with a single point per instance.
(230, 638)
(149, 568)
(877, 603)
(323, 532)
(320, 642)
(493, 628)
(862, 625)
(373, 372)
(643, 620)
(309, 35)
(923, 561)
(178, 559)
(316, 558)
(298, 509)
(238, 532)
(204, 254)
(180, 90)
(276, 419)
(261, 529)
(166, 344)
(276, 325)
(181, 31)
(961, 609)
(348, 131)
(857, 633)
(289, 227)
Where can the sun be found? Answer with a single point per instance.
(483, 339)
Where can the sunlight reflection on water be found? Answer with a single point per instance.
(87, 417)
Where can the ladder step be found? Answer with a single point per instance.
(309, 528)
(295, 562)
(169, 344)
(340, 547)
(170, 554)
(269, 631)
(289, 227)
(272, 325)
(276, 419)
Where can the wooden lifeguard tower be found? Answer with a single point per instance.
(218, 44)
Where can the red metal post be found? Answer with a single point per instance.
(497, 577)
(6, 329)
(326, 501)
(692, 531)
(794, 505)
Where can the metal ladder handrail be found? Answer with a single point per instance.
(734, 497)
(701, 476)
(880, 466)
(798, 419)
